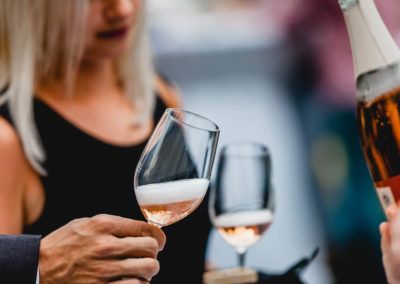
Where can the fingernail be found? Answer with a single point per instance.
(390, 211)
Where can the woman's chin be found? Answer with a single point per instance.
(100, 55)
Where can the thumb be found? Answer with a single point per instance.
(385, 237)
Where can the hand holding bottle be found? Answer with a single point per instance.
(390, 244)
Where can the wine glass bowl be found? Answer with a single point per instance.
(241, 203)
(173, 173)
(243, 229)
(165, 203)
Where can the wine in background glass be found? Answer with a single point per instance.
(173, 173)
(241, 202)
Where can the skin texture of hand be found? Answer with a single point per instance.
(101, 249)
(390, 244)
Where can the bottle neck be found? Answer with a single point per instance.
(377, 83)
(372, 46)
(345, 4)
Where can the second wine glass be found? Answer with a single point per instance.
(241, 202)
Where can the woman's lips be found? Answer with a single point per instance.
(117, 33)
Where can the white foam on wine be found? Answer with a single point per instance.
(169, 192)
(245, 218)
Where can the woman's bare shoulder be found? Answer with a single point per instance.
(168, 92)
(13, 164)
(9, 140)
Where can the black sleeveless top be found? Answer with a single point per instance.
(86, 176)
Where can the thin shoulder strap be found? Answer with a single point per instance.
(5, 112)
(159, 108)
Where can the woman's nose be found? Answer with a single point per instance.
(119, 9)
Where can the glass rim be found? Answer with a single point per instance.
(243, 144)
(170, 110)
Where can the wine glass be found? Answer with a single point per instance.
(241, 203)
(173, 173)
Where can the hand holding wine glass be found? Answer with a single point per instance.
(173, 173)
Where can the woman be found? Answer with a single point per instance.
(81, 101)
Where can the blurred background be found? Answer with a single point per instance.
(280, 72)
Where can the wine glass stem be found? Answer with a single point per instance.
(154, 224)
(241, 258)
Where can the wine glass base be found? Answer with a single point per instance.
(231, 276)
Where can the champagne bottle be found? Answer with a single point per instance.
(376, 59)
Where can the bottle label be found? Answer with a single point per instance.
(385, 196)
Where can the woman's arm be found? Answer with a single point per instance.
(13, 169)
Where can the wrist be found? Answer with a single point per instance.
(42, 262)
(37, 276)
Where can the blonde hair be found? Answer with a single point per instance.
(43, 40)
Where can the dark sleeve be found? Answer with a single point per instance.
(19, 255)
